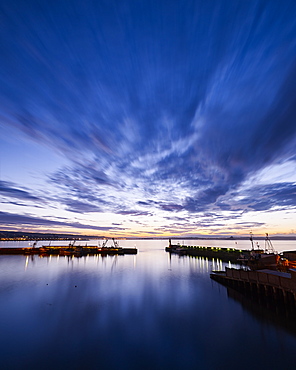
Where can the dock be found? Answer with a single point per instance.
(270, 284)
(77, 251)
(224, 254)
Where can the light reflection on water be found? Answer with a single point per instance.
(152, 310)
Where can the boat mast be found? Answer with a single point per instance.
(251, 238)
(268, 245)
(104, 243)
(115, 243)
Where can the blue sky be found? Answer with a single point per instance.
(147, 118)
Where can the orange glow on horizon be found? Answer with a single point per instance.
(152, 234)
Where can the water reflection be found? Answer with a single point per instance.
(27, 262)
(149, 311)
(266, 310)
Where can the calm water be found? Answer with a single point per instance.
(147, 311)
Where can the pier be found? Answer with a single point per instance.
(77, 251)
(270, 284)
(224, 254)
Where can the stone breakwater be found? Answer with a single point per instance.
(224, 254)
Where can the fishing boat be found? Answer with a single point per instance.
(79, 250)
(268, 258)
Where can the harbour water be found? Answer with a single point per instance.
(152, 310)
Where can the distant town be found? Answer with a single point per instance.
(19, 235)
(28, 236)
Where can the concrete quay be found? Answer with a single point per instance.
(224, 254)
(270, 284)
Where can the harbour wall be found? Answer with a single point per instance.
(265, 283)
(224, 254)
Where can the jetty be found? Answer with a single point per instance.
(266, 283)
(71, 250)
(255, 259)
(225, 254)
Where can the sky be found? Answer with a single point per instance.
(148, 118)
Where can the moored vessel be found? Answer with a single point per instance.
(72, 249)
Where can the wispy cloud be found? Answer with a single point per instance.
(9, 219)
(10, 190)
(274, 196)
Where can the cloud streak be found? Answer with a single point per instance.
(7, 189)
(10, 220)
